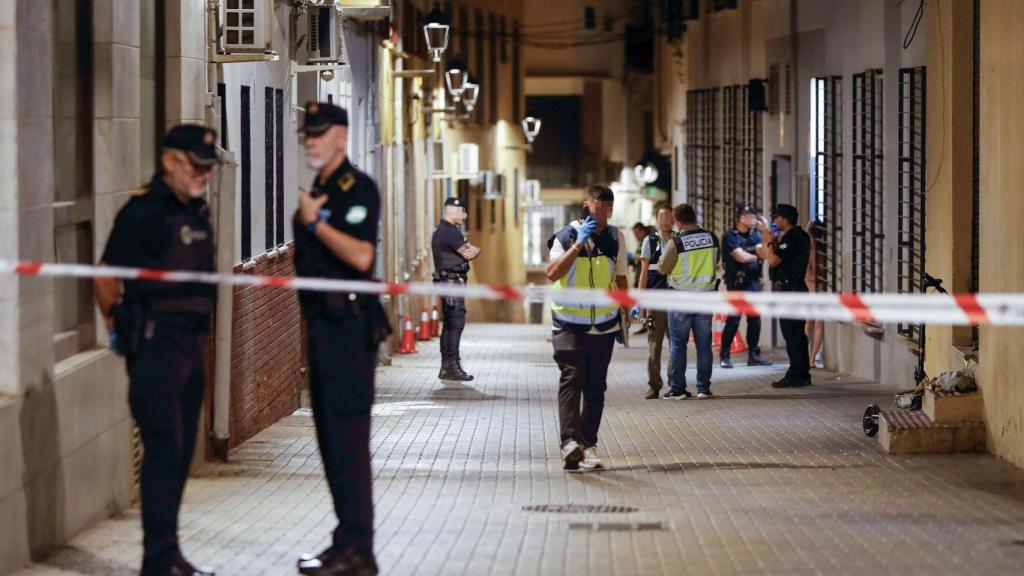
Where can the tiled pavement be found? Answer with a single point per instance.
(755, 481)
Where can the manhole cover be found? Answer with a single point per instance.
(617, 526)
(579, 509)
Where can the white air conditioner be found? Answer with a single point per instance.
(437, 158)
(323, 40)
(469, 159)
(247, 25)
(494, 185)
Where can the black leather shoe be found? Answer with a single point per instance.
(758, 360)
(339, 562)
(726, 362)
(652, 394)
(183, 567)
(791, 383)
(460, 374)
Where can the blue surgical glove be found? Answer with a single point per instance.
(634, 312)
(588, 227)
(115, 345)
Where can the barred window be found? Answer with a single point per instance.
(867, 235)
(911, 211)
(702, 148)
(826, 165)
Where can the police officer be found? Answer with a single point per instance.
(336, 237)
(590, 254)
(788, 254)
(651, 278)
(452, 254)
(690, 260)
(743, 270)
(159, 328)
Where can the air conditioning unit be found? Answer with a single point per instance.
(437, 158)
(493, 184)
(247, 25)
(469, 159)
(323, 40)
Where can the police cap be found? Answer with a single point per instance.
(196, 141)
(453, 201)
(322, 115)
(746, 209)
(787, 211)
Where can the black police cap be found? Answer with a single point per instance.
(196, 141)
(787, 211)
(322, 115)
(453, 201)
(746, 209)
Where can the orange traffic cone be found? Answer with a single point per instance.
(435, 323)
(424, 330)
(408, 345)
(738, 345)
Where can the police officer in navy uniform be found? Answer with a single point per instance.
(160, 329)
(452, 254)
(336, 237)
(743, 272)
(788, 254)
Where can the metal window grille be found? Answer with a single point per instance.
(279, 166)
(246, 172)
(731, 97)
(868, 193)
(753, 154)
(976, 183)
(911, 213)
(702, 149)
(828, 166)
(268, 168)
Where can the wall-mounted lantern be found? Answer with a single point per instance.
(436, 32)
(470, 93)
(531, 128)
(646, 174)
(456, 78)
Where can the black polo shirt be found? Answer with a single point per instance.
(794, 250)
(157, 230)
(354, 205)
(746, 242)
(445, 244)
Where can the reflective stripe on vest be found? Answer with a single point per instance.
(695, 264)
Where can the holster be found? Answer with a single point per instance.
(129, 323)
(344, 306)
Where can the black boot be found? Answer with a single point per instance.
(460, 373)
(447, 370)
(725, 361)
(755, 359)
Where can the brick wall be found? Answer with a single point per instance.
(268, 350)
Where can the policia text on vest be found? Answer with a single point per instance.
(588, 253)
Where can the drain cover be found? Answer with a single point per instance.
(617, 526)
(579, 509)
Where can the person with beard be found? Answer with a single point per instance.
(336, 237)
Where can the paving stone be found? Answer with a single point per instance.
(755, 481)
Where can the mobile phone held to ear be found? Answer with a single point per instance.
(314, 193)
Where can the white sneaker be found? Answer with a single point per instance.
(590, 460)
(572, 455)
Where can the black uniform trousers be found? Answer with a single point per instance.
(453, 322)
(341, 372)
(165, 394)
(796, 347)
(583, 360)
(732, 325)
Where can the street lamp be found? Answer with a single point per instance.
(645, 174)
(436, 32)
(531, 128)
(470, 93)
(456, 78)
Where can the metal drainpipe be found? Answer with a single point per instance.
(224, 205)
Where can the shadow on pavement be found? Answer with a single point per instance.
(80, 561)
(460, 392)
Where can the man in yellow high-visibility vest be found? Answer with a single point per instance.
(588, 254)
(690, 260)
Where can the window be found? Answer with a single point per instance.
(825, 171)
(702, 149)
(911, 211)
(245, 24)
(74, 317)
(976, 153)
(867, 235)
(479, 66)
(558, 149)
(503, 34)
(268, 168)
(246, 173)
(279, 165)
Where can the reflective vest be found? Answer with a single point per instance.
(655, 279)
(697, 254)
(595, 269)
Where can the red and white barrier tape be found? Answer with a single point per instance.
(960, 309)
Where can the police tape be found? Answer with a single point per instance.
(994, 309)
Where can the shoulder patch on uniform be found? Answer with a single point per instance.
(356, 215)
(347, 182)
